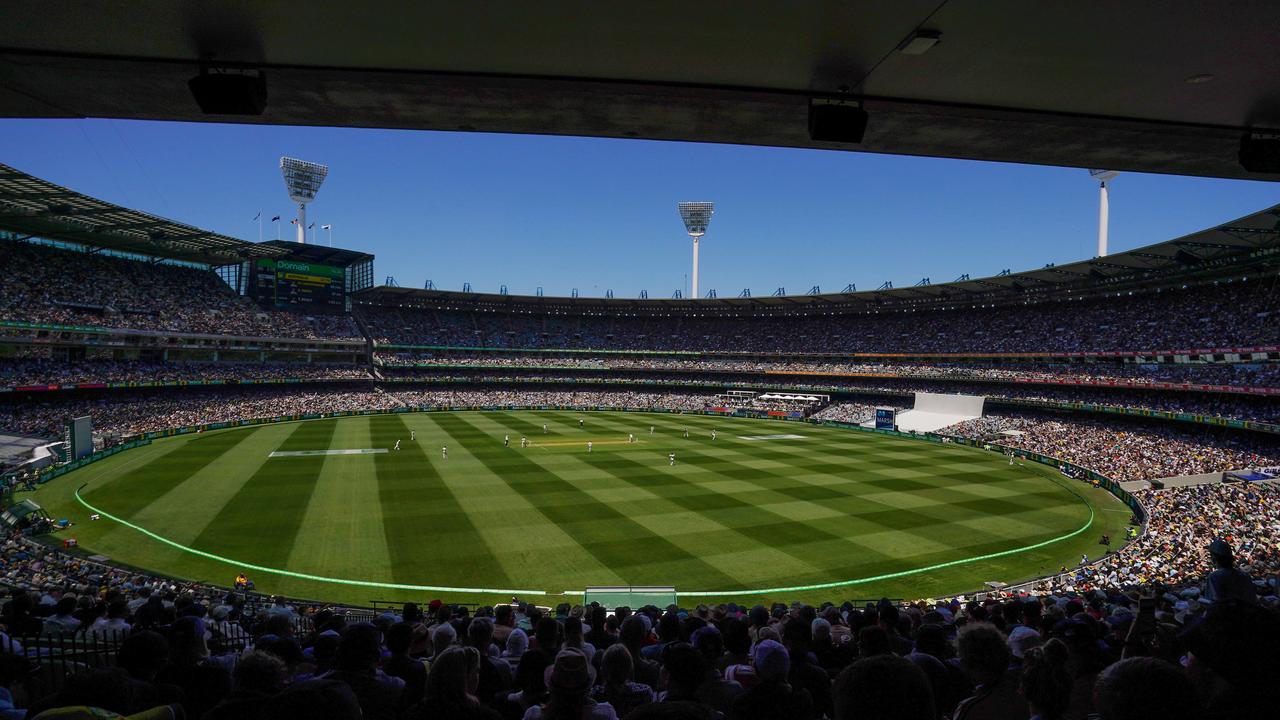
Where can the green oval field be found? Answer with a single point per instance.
(330, 509)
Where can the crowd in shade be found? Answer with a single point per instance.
(1231, 374)
(621, 399)
(1233, 406)
(854, 413)
(1182, 525)
(1122, 450)
(1204, 647)
(117, 416)
(1212, 316)
(59, 286)
(48, 371)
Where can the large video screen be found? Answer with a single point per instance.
(301, 285)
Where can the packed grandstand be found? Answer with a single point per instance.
(1148, 375)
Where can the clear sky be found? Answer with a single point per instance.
(591, 214)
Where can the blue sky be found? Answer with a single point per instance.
(591, 214)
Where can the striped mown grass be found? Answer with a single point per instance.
(732, 515)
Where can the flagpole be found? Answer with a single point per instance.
(259, 226)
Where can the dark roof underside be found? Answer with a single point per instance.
(1140, 85)
(35, 207)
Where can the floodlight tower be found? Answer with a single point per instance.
(303, 180)
(1103, 177)
(696, 216)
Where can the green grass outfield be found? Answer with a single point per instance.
(732, 514)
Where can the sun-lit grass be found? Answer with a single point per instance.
(730, 515)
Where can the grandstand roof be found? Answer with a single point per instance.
(1223, 249)
(321, 254)
(1126, 85)
(31, 206)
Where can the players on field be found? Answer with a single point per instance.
(631, 437)
(713, 434)
(506, 441)
(444, 452)
(397, 445)
(671, 458)
(686, 433)
(413, 434)
(544, 428)
(650, 429)
(524, 441)
(588, 446)
(579, 423)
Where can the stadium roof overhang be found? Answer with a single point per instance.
(1126, 85)
(1218, 251)
(34, 207)
(320, 254)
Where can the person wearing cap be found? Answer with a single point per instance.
(1227, 582)
(569, 681)
(771, 697)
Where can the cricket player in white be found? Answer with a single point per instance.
(544, 428)
(524, 441)
(588, 446)
(397, 445)
(671, 459)
(506, 441)
(413, 434)
(444, 452)
(713, 434)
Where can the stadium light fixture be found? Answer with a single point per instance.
(696, 217)
(1103, 177)
(303, 179)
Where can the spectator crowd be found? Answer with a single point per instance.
(1228, 315)
(60, 286)
(1203, 648)
(1122, 450)
(1229, 374)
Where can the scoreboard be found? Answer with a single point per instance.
(300, 285)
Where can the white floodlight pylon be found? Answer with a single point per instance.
(696, 216)
(303, 179)
(1104, 207)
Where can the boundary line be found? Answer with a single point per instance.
(508, 591)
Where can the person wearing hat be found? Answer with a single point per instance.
(1227, 582)
(569, 681)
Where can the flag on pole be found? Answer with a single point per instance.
(255, 217)
(312, 226)
(326, 227)
(274, 219)
(293, 221)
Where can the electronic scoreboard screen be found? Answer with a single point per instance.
(301, 285)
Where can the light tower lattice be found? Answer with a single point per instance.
(303, 180)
